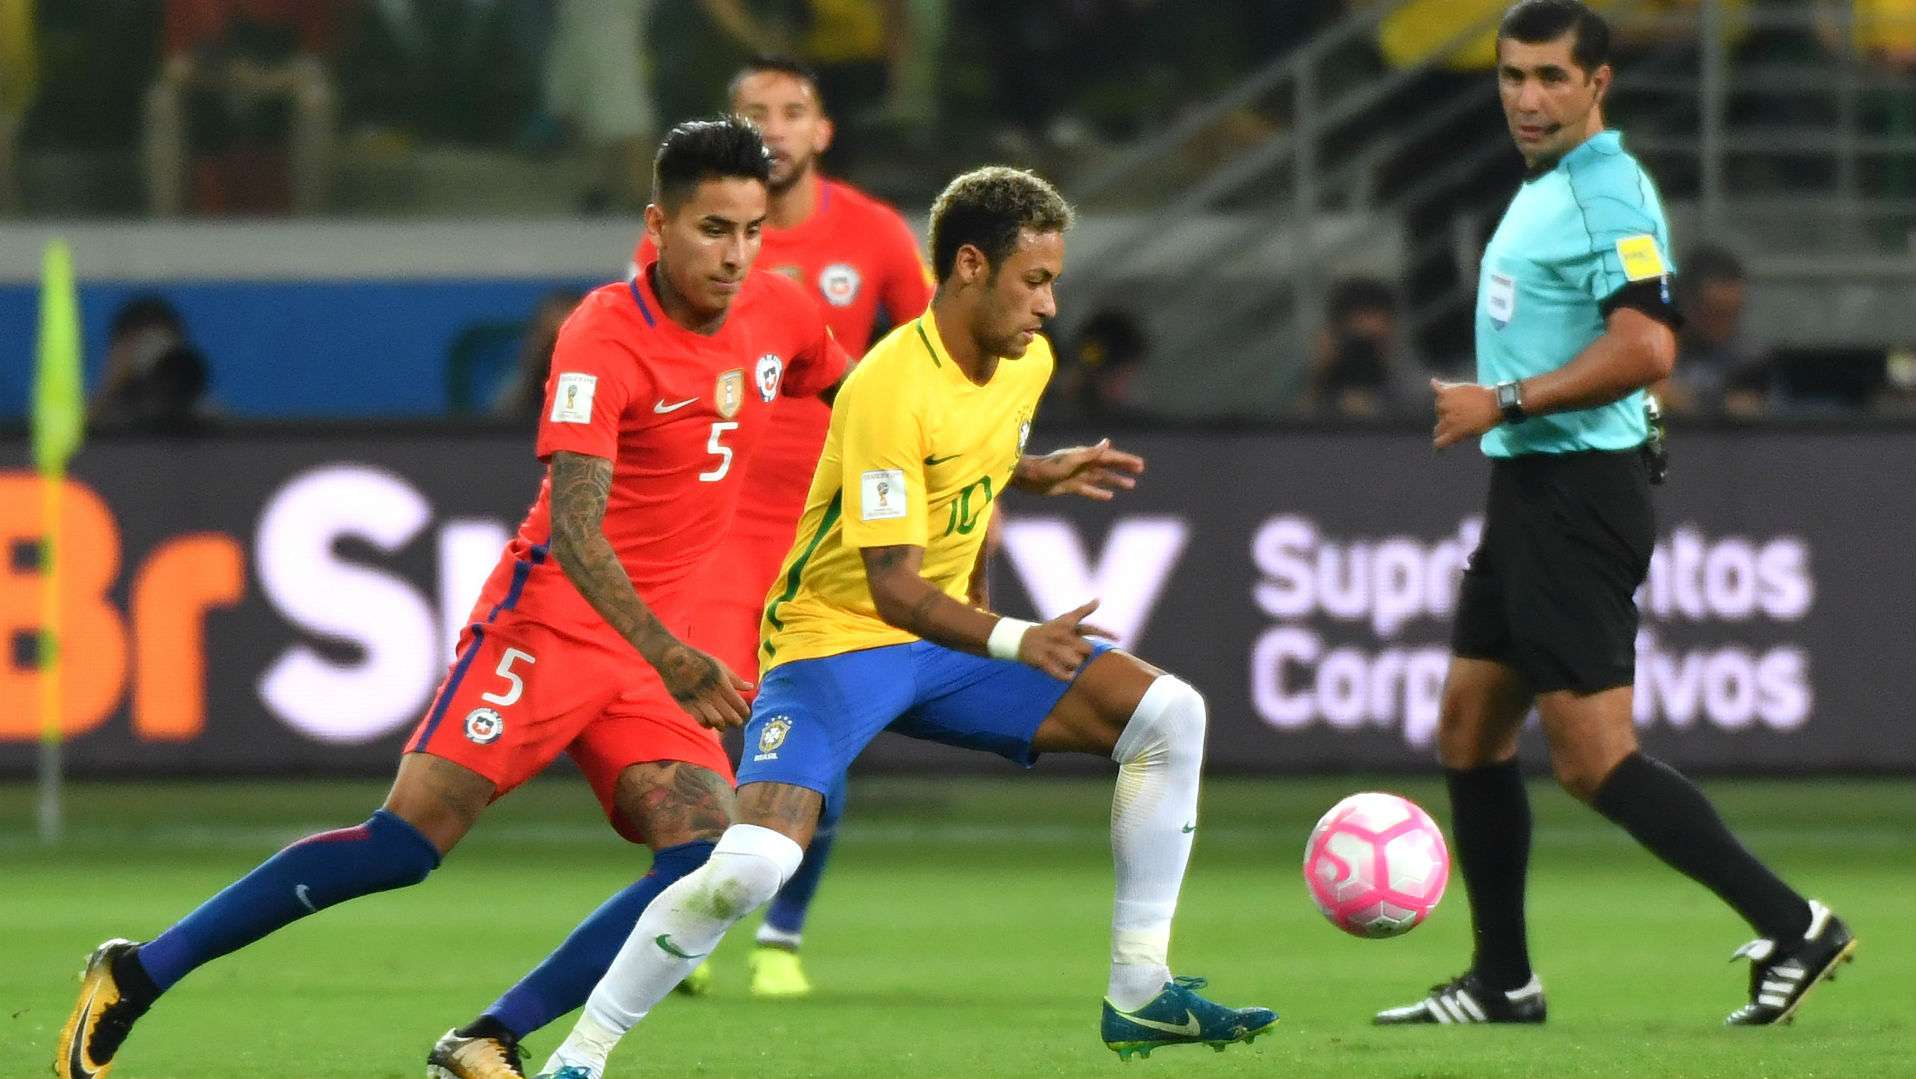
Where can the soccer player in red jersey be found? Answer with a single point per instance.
(860, 261)
(660, 390)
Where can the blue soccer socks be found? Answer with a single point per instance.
(384, 853)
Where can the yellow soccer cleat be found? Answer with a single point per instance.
(777, 975)
(100, 1019)
(455, 1056)
(696, 984)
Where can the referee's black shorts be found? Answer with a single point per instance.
(1550, 590)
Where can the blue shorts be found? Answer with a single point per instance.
(813, 717)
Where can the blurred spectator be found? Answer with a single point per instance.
(19, 74)
(1097, 377)
(598, 82)
(1452, 168)
(1719, 370)
(155, 380)
(859, 48)
(1782, 93)
(1885, 33)
(524, 394)
(1898, 395)
(1359, 370)
(93, 61)
(459, 71)
(243, 109)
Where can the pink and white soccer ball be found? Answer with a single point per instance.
(1376, 865)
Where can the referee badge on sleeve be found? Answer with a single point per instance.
(1641, 259)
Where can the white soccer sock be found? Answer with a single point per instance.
(674, 934)
(1153, 818)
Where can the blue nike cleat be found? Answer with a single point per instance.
(1178, 1016)
(570, 1071)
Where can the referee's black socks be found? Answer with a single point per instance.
(1490, 827)
(1670, 816)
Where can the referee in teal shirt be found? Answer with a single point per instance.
(1574, 319)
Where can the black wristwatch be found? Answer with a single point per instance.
(1510, 401)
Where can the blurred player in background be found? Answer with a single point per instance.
(661, 388)
(870, 630)
(858, 257)
(1574, 319)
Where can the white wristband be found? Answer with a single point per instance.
(1006, 636)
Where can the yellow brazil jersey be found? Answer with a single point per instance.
(916, 455)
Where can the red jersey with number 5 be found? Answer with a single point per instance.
(678, 414)
(856, 257)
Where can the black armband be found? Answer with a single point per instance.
(1652, 296)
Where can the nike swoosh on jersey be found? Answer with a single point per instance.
(305, 897)
(941, 460)
(664, 941)
(1190, 1027)
(663, 408)
(76, 1057)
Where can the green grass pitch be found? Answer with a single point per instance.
(962, 933)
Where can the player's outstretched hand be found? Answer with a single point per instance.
(1095, 472)
(1464, 410)
(1059, 647)
(706, 688)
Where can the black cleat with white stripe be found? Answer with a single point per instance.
(1780, 978)
(1467, 999)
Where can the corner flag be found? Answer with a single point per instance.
(59, 417)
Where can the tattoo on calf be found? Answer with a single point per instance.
(791, 809)
(678, 802)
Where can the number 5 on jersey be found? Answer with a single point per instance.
(717, 448)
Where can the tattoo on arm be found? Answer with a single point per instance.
(581, 484)
(906, 600)
(920, 615)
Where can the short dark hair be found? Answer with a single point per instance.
(1535, 22)
(149, 309)
(987, 208)
(1711, 263)
(1355, 295)
(776, 64)
(700, 150)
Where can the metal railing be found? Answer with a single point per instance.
(1820, 148)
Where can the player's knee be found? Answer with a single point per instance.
(746, 869)
(1579, 776)
(1464, 735)
(1457, 746)
(1169, 724)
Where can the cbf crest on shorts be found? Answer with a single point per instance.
(766, 375)
(771, 736)
(484, 726)
(730, 393)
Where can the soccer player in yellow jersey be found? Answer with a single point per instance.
(867, 628)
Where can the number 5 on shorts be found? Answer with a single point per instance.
(505, 671)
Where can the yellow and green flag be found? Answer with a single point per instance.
(59, 390)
